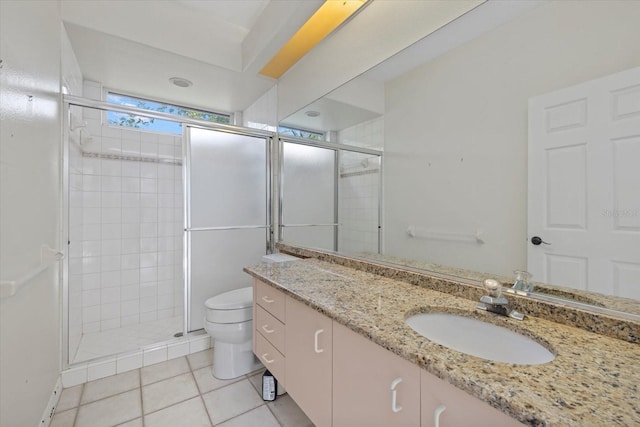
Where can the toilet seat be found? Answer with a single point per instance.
(230, 307)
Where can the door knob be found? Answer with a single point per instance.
(537, 240)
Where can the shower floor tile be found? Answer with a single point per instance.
(126, 338)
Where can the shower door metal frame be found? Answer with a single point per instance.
(70, 100)
(336, 148)
(186, 187)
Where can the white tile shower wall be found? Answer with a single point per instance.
(358, 211)
(75, 242)
(126, 228)
(359, 189)
(366, 134)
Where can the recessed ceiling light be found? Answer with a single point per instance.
(311, 113)
(180, 82)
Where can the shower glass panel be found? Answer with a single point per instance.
(227, 223)
(308, 184)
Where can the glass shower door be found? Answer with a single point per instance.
(309, 192)
(227, 221)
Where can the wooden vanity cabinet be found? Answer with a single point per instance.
(341, 379)
(309, 351)
(269, 329)
(444, 405)
(372, 386)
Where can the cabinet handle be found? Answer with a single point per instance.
(266, 329)
(315, 341)
(267, 299)
(264, 357)
(394, 395)
(436, 415)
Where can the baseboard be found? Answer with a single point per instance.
(51, 406)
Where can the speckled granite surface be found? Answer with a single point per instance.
(625, 305)
(604, 322)
(594, 380)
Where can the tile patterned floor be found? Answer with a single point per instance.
(179, 392)
(127, 338)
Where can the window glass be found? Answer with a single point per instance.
(159, 125)
(301, 133)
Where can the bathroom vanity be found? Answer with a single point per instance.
(336, 338)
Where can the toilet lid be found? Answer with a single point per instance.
(240, 298)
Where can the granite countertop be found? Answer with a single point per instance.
(594, 379)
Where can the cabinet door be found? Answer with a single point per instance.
(372, 386)
(444, 405)
(308, 349)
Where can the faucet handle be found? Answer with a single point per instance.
(493, 287)
(494, 300)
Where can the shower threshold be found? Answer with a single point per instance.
(127, 338)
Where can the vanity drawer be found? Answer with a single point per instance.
(272, 359)
(270, 328)
(270, 299)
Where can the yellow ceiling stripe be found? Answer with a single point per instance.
(326, 19)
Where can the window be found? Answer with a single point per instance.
(301, 133)
(141, 122)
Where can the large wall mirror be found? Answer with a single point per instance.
(452, 115)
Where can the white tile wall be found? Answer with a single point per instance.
(134, 360)
(125, 229)
(359, 189)
(367, 134)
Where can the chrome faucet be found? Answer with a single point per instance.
(495, 302)
(523, 281)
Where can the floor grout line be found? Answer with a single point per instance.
(140, 396)
(190, 364)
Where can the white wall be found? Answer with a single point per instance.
(72, 83)
(374, 34)
(456, 128)
(262, 113)
(30, 44)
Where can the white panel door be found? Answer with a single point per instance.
(584, 186)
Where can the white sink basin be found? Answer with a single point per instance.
(480, 339)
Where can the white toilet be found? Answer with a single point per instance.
(229, 321)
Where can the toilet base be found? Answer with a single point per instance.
(233, 360)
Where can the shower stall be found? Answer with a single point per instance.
(330, 196)
(156, 222)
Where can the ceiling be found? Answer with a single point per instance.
(135, 46)
(362, 98)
